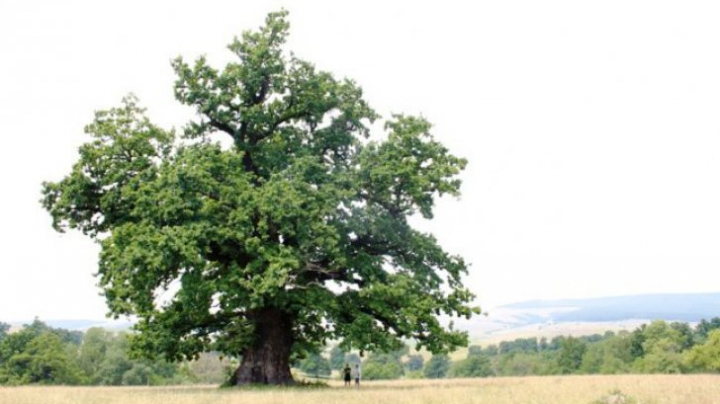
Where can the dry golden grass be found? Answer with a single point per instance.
(656, 389)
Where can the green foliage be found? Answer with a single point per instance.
(570, 356)
(302, 201)
(612, 355)
(522, 364)
(337, 358)
(686, 335)
(526, 345)
(114, 366)
(93, 351)
(658, 330)
(593, 359)
(472, 366)
(618, 354)
(384, 358)
(437, 367)
(44, 360)
(661, 347)
(706, 357)
(414, 362)
(661, 356)
(637, 338)
(377, 371)
(380, 366)
(40, 354)
(703, 329)
(477, 364)
(139, 374)
(489, 350)
(315, 365)
(4, 328)
(543, 344)
(17, 342)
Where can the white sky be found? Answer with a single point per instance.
(592, 128)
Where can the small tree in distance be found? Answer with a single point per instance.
(295, 235)
(379, 366)
(437, 367)
(337, 358)
(415, 362)
(315, 365)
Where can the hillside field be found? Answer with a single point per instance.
(627, 389)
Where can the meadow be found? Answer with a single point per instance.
(595, 389)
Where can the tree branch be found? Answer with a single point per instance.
(221, 126)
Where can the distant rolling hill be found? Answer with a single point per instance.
(678, 307)
(548, 318)
(80, 325)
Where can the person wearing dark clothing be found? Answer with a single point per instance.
(346, 374)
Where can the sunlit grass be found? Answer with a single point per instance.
(655, 389)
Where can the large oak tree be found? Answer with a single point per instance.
(296, 234)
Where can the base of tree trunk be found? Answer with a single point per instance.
(268, 360)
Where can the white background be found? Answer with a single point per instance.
(592, 128)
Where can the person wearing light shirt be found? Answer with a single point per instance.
(356, 374)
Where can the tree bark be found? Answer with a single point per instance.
(267, 361)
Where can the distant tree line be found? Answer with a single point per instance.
(658, 347)
(40, 354)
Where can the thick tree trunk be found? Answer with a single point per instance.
(268, 360)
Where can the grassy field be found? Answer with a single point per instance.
(660, 389)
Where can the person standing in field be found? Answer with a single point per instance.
(356, 372)
(346, 374)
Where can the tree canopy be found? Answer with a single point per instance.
(296, 234)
